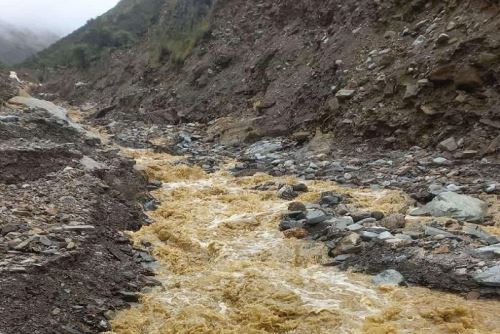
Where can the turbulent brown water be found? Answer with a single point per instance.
(225, 268)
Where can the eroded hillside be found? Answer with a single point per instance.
(400, 73)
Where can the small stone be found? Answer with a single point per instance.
(449, 144)
(315, 217)
(442, 39)
(394, 221)
(388, 277)
(432, 231)
(78, 227)
(440, 161)
(385, 235)
(150, 205)
(290, 224)
(411, 91)
(297, 233)
(467, 78)
(9, 119)
(330, 198)
(378, 215)
(429, 110)
(418, 41)
(345, 94)
(367, 235)
(341, 258)
(358, 216)
(301, 187)
(287, 193)
(130, 297)
(348, 244)
(451, 25)
(389, 34)
(297, 206)
(45, 241)
(355, 227)
(368, 220)
(340, 222)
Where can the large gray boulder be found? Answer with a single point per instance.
(450, 204)
(490, 276)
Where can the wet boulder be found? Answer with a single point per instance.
(489, 277)
(388, 277)
(450, 204)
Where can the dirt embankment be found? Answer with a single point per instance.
(399, 73)
(65, 199)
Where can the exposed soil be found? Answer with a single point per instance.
(397, 73)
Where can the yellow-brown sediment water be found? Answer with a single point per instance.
(225, 267)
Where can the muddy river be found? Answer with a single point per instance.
(225, 267)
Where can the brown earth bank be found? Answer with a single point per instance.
(399, 73)
(65, 200)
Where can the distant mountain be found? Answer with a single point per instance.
(18, 44)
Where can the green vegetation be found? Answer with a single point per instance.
(119, 28)
(186, 23)
(168, 29)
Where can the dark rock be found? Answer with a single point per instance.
(150, 205)
(316, 216)
(357, 216)
(378, 215)
(301, 187)
(294, 215)
(467, 78)
(130, 297)
(297, 206)
(289, 224)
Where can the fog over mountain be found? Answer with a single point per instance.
(28, 26)
(18, 44)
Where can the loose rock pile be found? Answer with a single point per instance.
(65, 265)
(452, 255)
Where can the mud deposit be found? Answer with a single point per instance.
(225, 268)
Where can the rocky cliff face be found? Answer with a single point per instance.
(400, 73)
(18, 44)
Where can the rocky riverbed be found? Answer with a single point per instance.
(227, 224)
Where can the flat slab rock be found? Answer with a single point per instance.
(450, 204)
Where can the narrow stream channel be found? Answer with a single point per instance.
(225, 267)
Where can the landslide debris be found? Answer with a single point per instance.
(65, 199)
(399, 73)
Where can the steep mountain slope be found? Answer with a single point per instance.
(18, 44)
(401, 73)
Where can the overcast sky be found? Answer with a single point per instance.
(60, 16)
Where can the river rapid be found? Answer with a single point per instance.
(224, 267)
